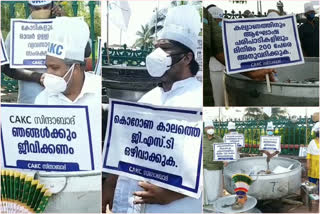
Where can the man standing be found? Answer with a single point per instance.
(213, 47)
(173, 61)
(313, 154)
(216, 68)
(212, 170)
(270, 153)
(309, 33)
(30, 81)
(232, 130)
(66, 83)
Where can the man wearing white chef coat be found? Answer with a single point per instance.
(67, 83)
(173, 61)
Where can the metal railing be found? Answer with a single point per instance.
(239, 15)
(293, 133)
(124, 55)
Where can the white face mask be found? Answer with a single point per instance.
(270, 133)
(56, 84)
(210, 131)
(158, 62)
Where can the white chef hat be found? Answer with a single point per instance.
(270, 126)
(208, 123)
(39, 3)
(68, 38)
(216, 12)
(273, 13)
(182, 24)
(231, 126)
(316, 127)
(308, 7)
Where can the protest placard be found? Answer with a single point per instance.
(46, 138)
(234, 138)
(29, 42)
(255, 43)
(4, 56)
(161, 145)
(225, 151)
(270, 143)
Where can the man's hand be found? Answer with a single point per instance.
(108, 188)
(22, 74)
(153, 194)
(57, 11)
(260, 75)
(41, 79)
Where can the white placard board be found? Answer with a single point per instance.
(270, 143)
(225, 152)
(256, 43)
(161, 145)
(235, 138)
(47, 138)
(29, 42)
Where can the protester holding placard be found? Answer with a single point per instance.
(231, 131)
(232, 127)
(214, 56)
(215, 66)
(30, 80)
(212, 172)
(233, 136)
(313, 154)
(173, 61)
(217, 48)
(67, 83)
(207, 43)
(276, 149)
(309, 32)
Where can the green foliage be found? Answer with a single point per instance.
(156, 22)
(293, 134)
(258, 114)
(20, 12)
(278, 113)
(83, 10)
(145, 39)
(254, 113)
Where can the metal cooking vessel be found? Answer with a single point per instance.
(73, 192)
(272, 186)
(126, 82)
(245, 92)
